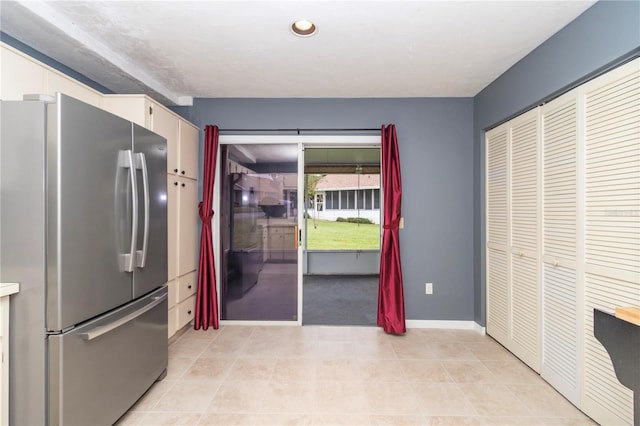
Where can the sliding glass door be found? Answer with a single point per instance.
(259, 232)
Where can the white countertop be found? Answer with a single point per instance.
(7, 289)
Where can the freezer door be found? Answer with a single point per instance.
(90, 205)
(150, 151)
(98, 371)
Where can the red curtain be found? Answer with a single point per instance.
(207, 298)
(390, 292)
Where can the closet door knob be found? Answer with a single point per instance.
(175, 183)
(189, 286)
(181, 171)
(175, 170)
(183, 185)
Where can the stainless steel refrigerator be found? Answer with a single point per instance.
(83, 230)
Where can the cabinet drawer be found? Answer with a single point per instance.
(186, 311)
(187, 285)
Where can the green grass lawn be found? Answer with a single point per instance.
(329, 235)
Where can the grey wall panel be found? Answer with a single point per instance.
(435, 142)
(605, 34)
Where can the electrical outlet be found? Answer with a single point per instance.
(428, 288)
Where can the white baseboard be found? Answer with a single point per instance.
(451, 325)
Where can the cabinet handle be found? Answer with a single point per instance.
(175, 183)
(189, 312)
(181, 172)
(189, 286)
(183, 185)
(175, 170)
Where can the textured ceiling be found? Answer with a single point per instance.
(178, 50)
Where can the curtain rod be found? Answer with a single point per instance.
(300, 130)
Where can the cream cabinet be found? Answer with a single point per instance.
(186, 290)
(183, 225)
(185, 162)
(22, 75)
(188, 217)
(182, 246)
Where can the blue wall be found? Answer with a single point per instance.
(606, 34)
(435, 142)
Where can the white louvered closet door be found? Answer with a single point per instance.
(498, 304)
(612, 227)
(561, 294)
(524, 215)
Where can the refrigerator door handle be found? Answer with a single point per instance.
(141, 255)
(104, 329)
(125, 160)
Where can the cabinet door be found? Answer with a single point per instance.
(189, 140)
(188, 225)
(59, 83)
(172, 226)
(134, 108)
(19, 76)
(165, 124)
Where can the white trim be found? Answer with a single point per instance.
(451, 325)
(415, 324)
(336, 141)
(299, 228)
(262, 323)
(329, 141)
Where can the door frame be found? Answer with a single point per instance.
(302, 141)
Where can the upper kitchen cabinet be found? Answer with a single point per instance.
(19, 75)
(187, 152)
(22, 75)
(137, 108)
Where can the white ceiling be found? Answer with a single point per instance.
(178, 50)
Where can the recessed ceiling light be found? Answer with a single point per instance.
(303, 28)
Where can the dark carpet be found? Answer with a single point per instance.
(339, 300)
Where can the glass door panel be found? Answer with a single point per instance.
(259, 232)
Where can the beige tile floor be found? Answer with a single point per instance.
(314, 375)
